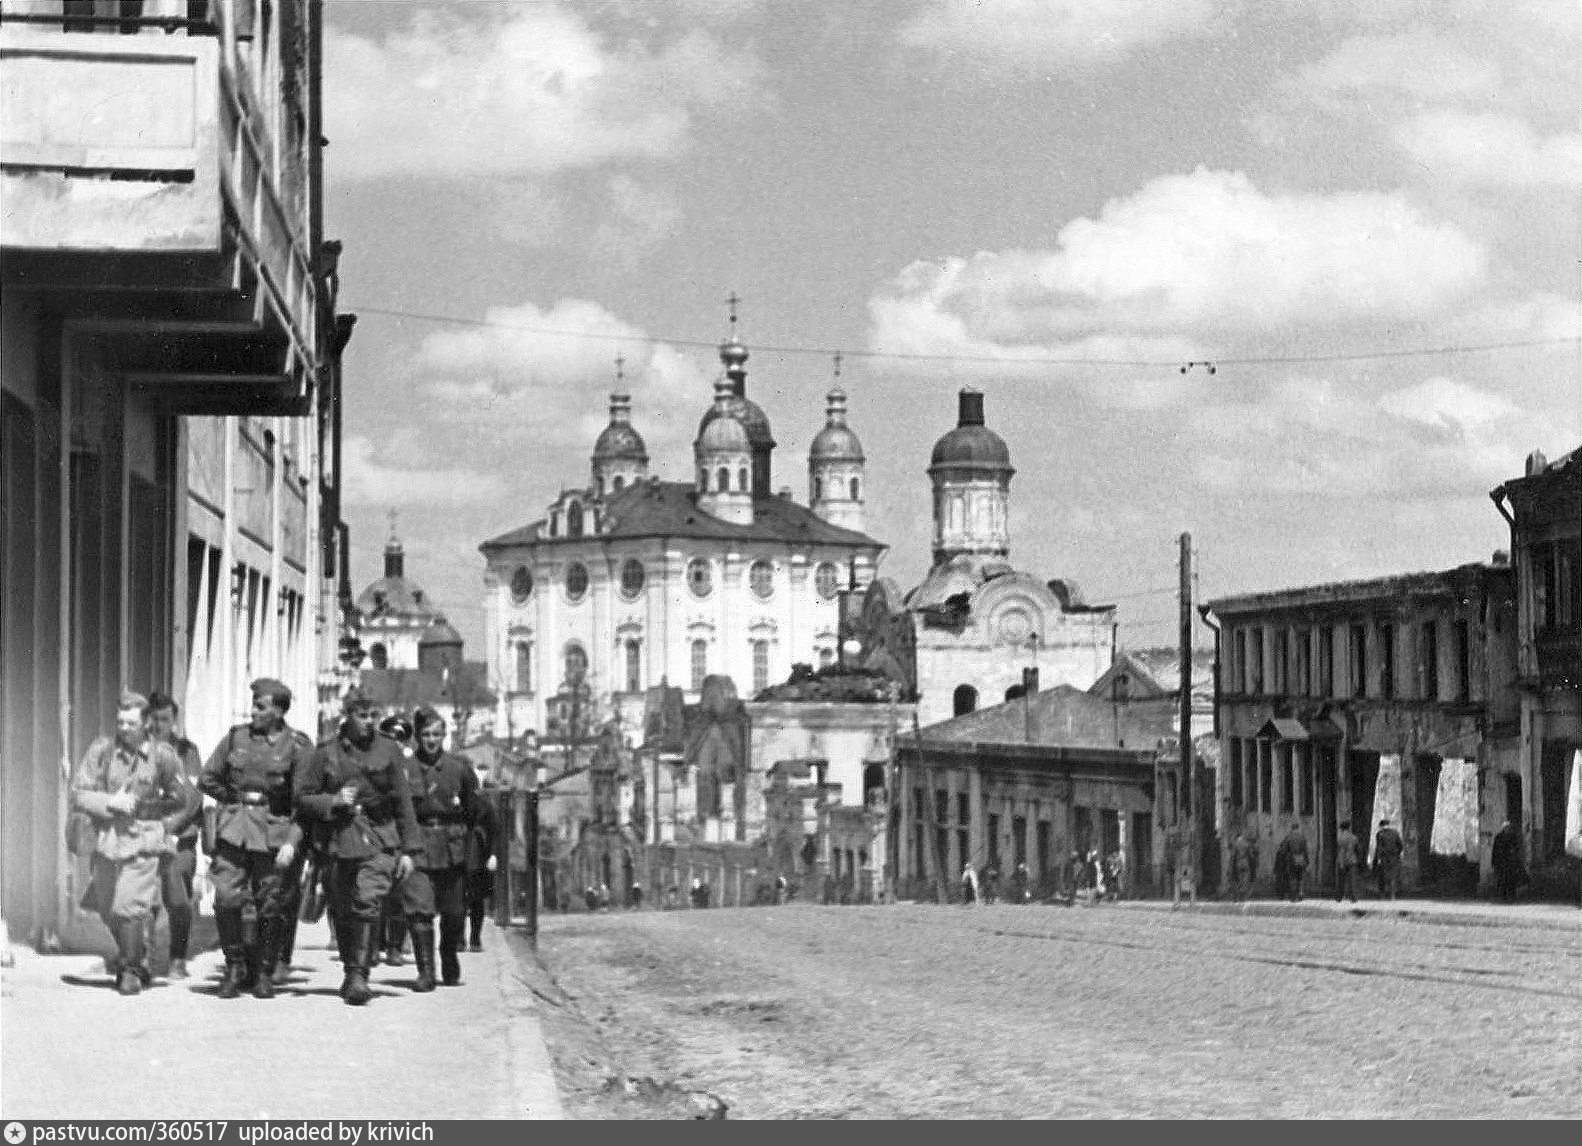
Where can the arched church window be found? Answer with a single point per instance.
(554, 525)
(574, 519)
(379, 656)
(703, 481)
(700, 664)
(723, 480)
(633, 578)
(760, 652)
(965, 700)
(576, 664)
(576, 581)
(761, 579)
(856, 489)
(521, 584)
(524, 666)
(634, 666)
(700, 577)
(826, 579)
(741, 479)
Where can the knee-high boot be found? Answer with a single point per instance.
(450, 929)
(228, 922)
(134, 956)
(288, 945)
(269, 932)
(423, 953)
(394, 938)
(361, 950)
(250, 952)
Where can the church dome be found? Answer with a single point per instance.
(971, 445)
(723, 433)
(620, 441)
(747, 413)
(439, 632)
(836, 442)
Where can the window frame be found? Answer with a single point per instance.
(629, 593)
(580, 571)
(707, 568)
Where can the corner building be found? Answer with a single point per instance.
(631, 581)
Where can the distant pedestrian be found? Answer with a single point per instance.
(1243, 864)
(991, 883)
(969, 884)
(1509, 871)
(780, 889)
(1020, 893)
(1347, 862)
(636, 896)
(1387, 849)
(590, 898)
(1294, 846)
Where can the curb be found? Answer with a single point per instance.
(533, 1092)
(1359, 911)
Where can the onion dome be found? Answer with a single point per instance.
(721, 431)
(733, 356)
(836, 442)
(439, 632)
(971, 445)
(620, 440)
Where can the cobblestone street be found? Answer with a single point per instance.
(914, 1011)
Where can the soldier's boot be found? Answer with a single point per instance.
(394, 940)
(361, 951)
(450, 928)
(249, 953)
(228, 922)
(268, 944)
(423, 953)
(134, 957)
(288, 947)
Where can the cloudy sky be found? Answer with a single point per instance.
(1059, 202)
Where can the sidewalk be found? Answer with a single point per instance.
(71, 1047)
(1452, 912)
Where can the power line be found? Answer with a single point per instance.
(987, 359)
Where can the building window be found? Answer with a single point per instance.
(1250, 762)
(1557, 583)
(576, 662)
(742, 482)
(703, 481)
(700, 664)
(634, 666)
(1287, 778)
(1304, 662)
(700, 577)
(1256, 649)
(1358, 660)
(524, 666)
(1266, 775)
(856, 490)
(994, 841)
(1463, 681)
(1233, 744)
(1387, 661)
(760, 666)
(1281, 674)
(379, 656)
(826, 579)
(521, 584)
(761, 577)
(574, 519)
(722, 480)
(554, 525)
(1305, 778)
(1429, 651)
(1239, 655)
(576, 581)
(633, 578)
(1325, 660)
(964, 700)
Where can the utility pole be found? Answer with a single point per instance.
(941, 876)
(1188, 757)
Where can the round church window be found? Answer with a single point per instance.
(762, 579)
(826, 579)
(700, 578)
(521, 584)
(576, 581)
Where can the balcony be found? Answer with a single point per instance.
(1559, 654)
(140, 187)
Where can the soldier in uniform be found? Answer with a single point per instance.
(392, 924)
(445, 801)
(177, 868)
(481, 863)
(250, 775)
(356, 784)
(1387, 849)
(132, 788)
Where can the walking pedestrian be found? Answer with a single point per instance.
(1347, 861)
(356, 784)
(392, 923)
(136, 799)
(991, 882)
(1020, 879)
(250, 775)
(1243, 864)
(1295, 848)
(444, 799)
(1509, 871)
(179, 867)
(1387, 849)
(481, 863)
(969, 884)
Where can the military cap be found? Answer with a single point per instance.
(425, 716)
(396, 726)
(355, 699)
(275, 690)
(130, 699)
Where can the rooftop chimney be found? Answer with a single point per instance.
(971, 407)
(1030, 680)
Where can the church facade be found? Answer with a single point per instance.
(632, 581)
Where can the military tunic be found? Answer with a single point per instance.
(177, 869)
(250, 776)
(445, 802)
(362, 841)
(125, 878)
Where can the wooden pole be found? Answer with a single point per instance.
(1188, 757)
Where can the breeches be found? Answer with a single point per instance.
(245, 879)
(358, 887)
(439, 891)
(123, 889)
(176, 872)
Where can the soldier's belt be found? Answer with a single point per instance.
(253, 799)
(439, 821)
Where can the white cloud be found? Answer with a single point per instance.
(1490, 149)
(531, 91)
(1021, 33)
(639, 219)
(1418, 64)
(1185, 255)
(387, 477)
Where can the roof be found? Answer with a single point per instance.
(972, 447)
(1444, 583)
(620, 440)
(440, 632)
(657, 508)
(395, 597)
(1061, 717)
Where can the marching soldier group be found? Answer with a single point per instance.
(375, 822)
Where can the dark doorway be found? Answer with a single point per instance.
(1327, 819)
(1142, 857)
(1427, 769)
(1019, 838)
(1513, 799)
(1552, 781)
(1364, 768)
